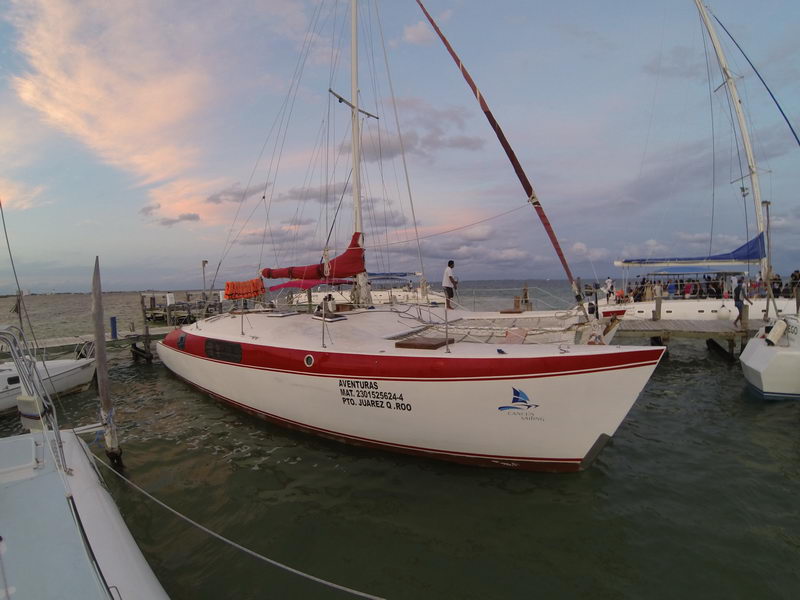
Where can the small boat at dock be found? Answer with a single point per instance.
(771, 360)
(60, 376)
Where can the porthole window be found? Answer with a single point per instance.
(225, 351)
(309, 360)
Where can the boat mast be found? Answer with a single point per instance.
(748, 148)
(361, 290)
(523, 178)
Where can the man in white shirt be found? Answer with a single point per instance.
(609, 289)
(449, 282)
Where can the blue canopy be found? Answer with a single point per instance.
(751, 252)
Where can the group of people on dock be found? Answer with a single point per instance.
(706, 286)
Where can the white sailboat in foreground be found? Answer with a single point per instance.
(62, 535)
(396, 377)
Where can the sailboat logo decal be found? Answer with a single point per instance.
(519, 401)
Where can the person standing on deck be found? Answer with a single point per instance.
(739, 297)
(609, 289)
(449, 282)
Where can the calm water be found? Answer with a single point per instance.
(695, 497)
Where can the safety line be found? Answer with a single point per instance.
(234, 544)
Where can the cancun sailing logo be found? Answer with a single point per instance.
(520, 407)
(519, 401)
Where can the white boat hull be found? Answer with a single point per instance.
(704, 309)
(59, 377)
(773, 371)
(456, 406)
(62, 535)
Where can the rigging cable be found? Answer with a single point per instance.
(400, 140)
(22, 307)
(230, 542)
(280, 120)
(459, 228)
(752, 66)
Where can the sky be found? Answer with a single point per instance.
(157, 135)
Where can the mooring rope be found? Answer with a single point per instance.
(230, 542)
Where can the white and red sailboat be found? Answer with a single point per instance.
(413, 381)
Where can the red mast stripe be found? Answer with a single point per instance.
(523, 178)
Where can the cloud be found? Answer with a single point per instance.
(321, 193)
(138, 94)
(149, 210)
(183, 196)
(427, 129)
(381, 218)
(581, 252)
(18, 196)
(170, 221)
(693, 238)
(21, 135)
(235, 193)
(650, 248)
(478, 233)
(594, 41)
(723, 241)
(420, 33)
(680, 62)
(675, 171)
(507, 255)
(112, 80)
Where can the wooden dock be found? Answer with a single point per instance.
(61, 344)
(662, 331)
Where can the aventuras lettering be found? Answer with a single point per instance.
(358, 384)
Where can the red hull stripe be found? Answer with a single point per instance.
(417, 368)
(527, 463)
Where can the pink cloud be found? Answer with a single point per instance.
(136, 83)
(18, 196)
(104, 77)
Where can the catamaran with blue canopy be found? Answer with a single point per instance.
(750, 253)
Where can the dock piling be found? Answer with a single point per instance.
(657, 311)
(113, 451)
(143, 352)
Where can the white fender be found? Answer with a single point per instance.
(774, 336)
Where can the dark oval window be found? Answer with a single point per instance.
(226, 351)
(13, 380)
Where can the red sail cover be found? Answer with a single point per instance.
(347, 264)
(236, 290)
(307, 284)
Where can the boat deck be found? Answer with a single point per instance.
(62, 535)
(43, 552)
(376, 331)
